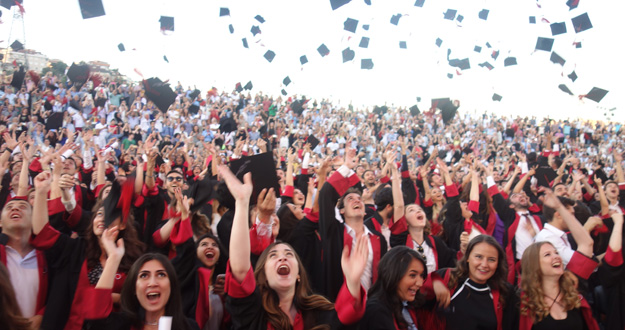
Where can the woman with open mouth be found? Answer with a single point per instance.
(277, 295)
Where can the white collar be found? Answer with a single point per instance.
(554, 230)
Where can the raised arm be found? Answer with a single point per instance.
(603, 200)
(519, 186)
(508, 186)
(40, 207)
(398, 196)
(114, 253)
(22, 190)
(618, 159)
(580, 235)
(240, 237)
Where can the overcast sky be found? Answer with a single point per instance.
(202, 52)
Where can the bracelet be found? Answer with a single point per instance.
(9, 149)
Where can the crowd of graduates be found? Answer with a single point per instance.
(229, 210)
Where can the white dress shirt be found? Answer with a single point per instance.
(522, 236)
(367, 276)
(24, 275)
(558, 239)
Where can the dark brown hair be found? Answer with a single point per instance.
(10, 314)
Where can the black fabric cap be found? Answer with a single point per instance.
(448, 109)
(165, 58)
(121, 47)
(395, 19)
(557, 59)
(269, 56)
(366, 64)
(463, 64)
(89, 8)
(78, 74)
(248, 86)
(477, 49)
(450, 14)
(366, 27)
(283, 92)
(439, 42)
(201, 191)
(565, 89)
(596, 94)
(545, 176)
(509, 61)
(231, 28)
(286, 81)
(338, 3)
(544, 44)
(483, 14)
(111, 211)
(494, 54)
(572, 4)
(460, 18)
(303, 59)
(348, 54)
(558, 28)
(259, 18)
(578, 44)
(18, 78)
(414, 110)
(17, 46)
(418, 98)
(263, 171)
(419, 3)
(224, 11)
(364, 42)
(194, 108)
(350, 25)
(486, 65)
(581, 23)
(193, 95)
(8, 4)
(497, 97)
(573, 76)
(488, 45)
(532, 19)
(167, 23)
(313, 141)
(238, 87)
(402, 45)
(368, 2)
(245, 43)
(255, 30)
(159, 93)
(450, 75)
(323, 50)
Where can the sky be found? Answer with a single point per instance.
(203, 53)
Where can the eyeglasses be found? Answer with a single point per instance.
(176, 178)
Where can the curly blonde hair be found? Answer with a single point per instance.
(532, 299)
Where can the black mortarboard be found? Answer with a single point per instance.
(165, 58)
(483, 14)
(238, 87)
(90, 8)
(269, 55)
(395, 19)
(18, 78)
(284, 92)
(338, 3)
(245, 43)
(313, 141)
(350, 25)
(414, 110)
(364, 42)
(419, 3)
(532, 19)
(255, 30)
(545, 176)
(201, 191)
(572, 4)
(263, 169)
(231, 28)
(497, 97)
(78, 74)
(259, 18)
(463, 64)
(286, 81)
(439, 42)
(494, 54)
(8, 4)
(460, 18)
(596, 94)
(558, 28)
(224, 11)
(368, 2)
(486, 65)
(402, 45)
(450, 75)
(118, 202)
(17, 46)
(194, 94)
(581, 23)
(366, 27)
(578, 44)
(348, 54)
(303, 59)
(418, 98)
(366, 63)
(450, 14)
(248, 86)
(565, 89)
(167, 23)
(159, 93)
(544, 44)
(488, 45)
(557, 59)
(323, 50)
(509, 61)
(121, 47)
(477, 49)
(194, 108)
(573, 76)
(448, 109)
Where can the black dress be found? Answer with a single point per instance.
(573, 321)
(471, 308)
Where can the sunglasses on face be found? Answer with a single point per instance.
(174, 178)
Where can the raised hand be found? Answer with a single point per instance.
(354, 264)
(42, 182)
(113, 248)
(241, 191)
(266, 204)
(550, 200)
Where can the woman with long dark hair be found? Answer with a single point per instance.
(394, 297)
(277, 295)
(10, 315)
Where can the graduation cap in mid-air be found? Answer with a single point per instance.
(366, 27)
(544, 44)
(439, 42)
(255, 30)
(259, 18)
(494, 54)
(558, 28)
(18, 78)
(447, 107)
(118, 202)
(532, 19)
(350, 25)
(450, 14)
(238, 87)
(477, 49)
(286, 81)
(323, 50)
(419, 3)
(596, 94)
(89, 8)
(460, 18)
(284, 92)
(395, 19)
(231, 28)
(167, 23)
(121, 47)
(159, 93)
(348, 54)
(581, 23)
(303, 59)
(201, 191)
(165, 58)
(224, 11)
(17, 46)
(402, 45)
(194, 108)
(263, 169)
(565, 89)
(248, 86)
(414, 110)
(338, 3)
(462, 64)
(483, 14)
(269, 55)
(572, 4)
(245, 43)
(573, 76)
(193, 95)
(313, 141)
(496, 97)
(78, 74)
(557, 59)
(487, 65)
(366, 64)
(509, 61)
(364, 42)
